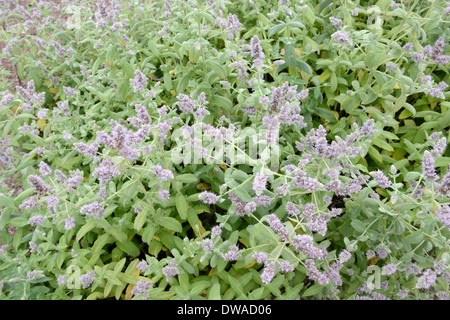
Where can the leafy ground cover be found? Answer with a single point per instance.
(224, 150)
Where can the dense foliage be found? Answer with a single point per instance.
(114, 179)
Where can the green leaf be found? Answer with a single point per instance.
(221, 71)
(85, 229)
(214, 292)
(129, 247)
(326, 114)
(140, 219)
(110, 56)
(382, 144)
(117, 234)
(314, 289)
(236, 286)
(289, 55)
(119, 266)
(123, 89)
(358, 225)
(374, 59)
(242, 194)
(170, 223)
(374, 154)
(309, 14)
(302, 65)
(168, 81)
(414, 237)
(223, 102)
(186, 178)
(442, 161)
(7, 202)
(323, 5)
(183, 83)
(101, 242)
(194, 221)
(276, 29)
(181, 205)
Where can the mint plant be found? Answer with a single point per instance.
(224, 150)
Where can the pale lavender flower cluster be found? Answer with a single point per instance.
(381, 179)
(336, 22)
(35, 274)
(305, 244)
(427, 279)
(38, 185)
(232, 25)
(344, 256)
(308, 210)
(283, 94)
(141, 288)
(259, 183)
(428, 168)
(443, 214)
(332, 273)
(292, 209)
(216, 231)
(342, 38)
(106, 171)
(63, 106)
(208, 197)
(207, 245)
(197, 107)
(69, 223)
(382, 251)
(170, 270)
(268, 273)
(277, 226)
(142, 116)
(319, 223)
(87, 279)
(302, 181)
(142, 265)
(260, 257)
(36, 220)
(239, 205)
(335, 212)
(88, 150)
(315, 141)
(242, 73)
(68, 91)
(139, 82)
(439, 147)
(162, 174)
(436, 51)
(232, 254)
(52, 201)
(426, 79)
(164, 194)
(417, 57)
(437, 92)
(123, 140)
(94, 209)
(389, 269)
(29, 93)
(286, 267)
(75, 179)
(257, 52)
(314, 274)
(61, 280)
(443, 188)
(7, 97)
